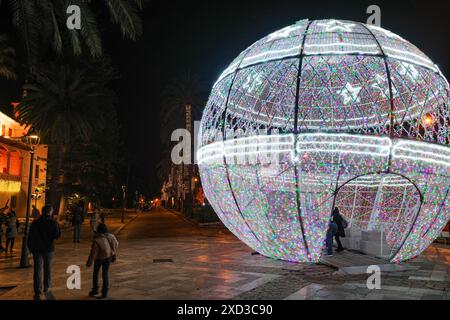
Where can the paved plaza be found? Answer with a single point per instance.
(162, 256)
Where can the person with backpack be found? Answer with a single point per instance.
(103, 253)
(43, 232)
(12, 230)
(3, 220)
(77, 221)
(35, 214)
(341, 226)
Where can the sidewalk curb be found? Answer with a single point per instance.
(186, 219)
(193, 222)
(117, 231)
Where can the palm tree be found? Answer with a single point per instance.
(186, 89)
(7, 62)
(42, 24)
(65, 105)
(179, 92)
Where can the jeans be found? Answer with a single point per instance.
(39, 260)
(329, 244)
(10, 241)
(76, 233)
(104, 264)
(332, 229)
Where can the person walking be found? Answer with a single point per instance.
(77, 221)
(12, 225)
(341, 226)
(95, 218)
(35, 214)
(3, 220)
(103, 253)
(43, 232)
(332, 229)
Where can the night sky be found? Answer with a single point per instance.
(203, 37)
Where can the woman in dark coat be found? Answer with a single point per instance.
(342, 224)
(12, 231)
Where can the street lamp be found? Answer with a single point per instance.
(36, 196)
(124, 194)
(32, 140)
(136, 200)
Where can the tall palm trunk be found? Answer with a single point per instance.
(56, 174)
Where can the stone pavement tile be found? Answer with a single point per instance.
(439, 276)
(305, 292)
(419, 278)
(424, 291)
(352, 285)
(375, 296)
(256, 283)
(341, 296)
(432, 297)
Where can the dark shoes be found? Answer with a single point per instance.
(37, 297)
(49, 295)
(93, 293)
(340, 249)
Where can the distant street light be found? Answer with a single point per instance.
(136, 201)
(32, 141)
(124, 195)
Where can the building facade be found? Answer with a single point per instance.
(15, 168)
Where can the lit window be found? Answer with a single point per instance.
(15, 163)
(3, 160)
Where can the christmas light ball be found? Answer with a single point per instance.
(326, 114)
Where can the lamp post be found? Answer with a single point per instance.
(136, 202)
(124, 190)
(32, 141)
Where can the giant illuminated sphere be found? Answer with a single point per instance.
(321, 114)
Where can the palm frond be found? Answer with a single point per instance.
(126, 15)
(28, 24)
(63, 103)
(7, 59)
(90, 32)
(50, 31)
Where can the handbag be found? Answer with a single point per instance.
(344, 223)
(114, 256)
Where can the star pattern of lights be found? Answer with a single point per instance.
(321, 114)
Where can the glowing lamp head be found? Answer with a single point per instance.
(33, 140)
(320, 113)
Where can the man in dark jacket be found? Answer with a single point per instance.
(77, 221)
(43, 232)
(3, 220)
(341, 225)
